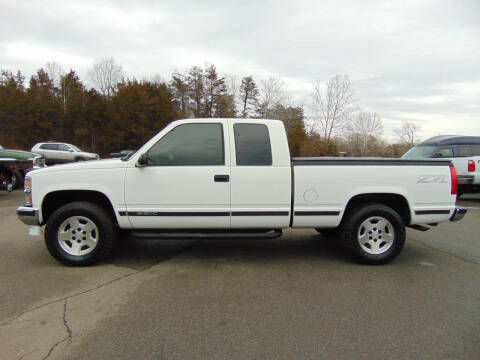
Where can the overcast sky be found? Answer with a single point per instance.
(409, 60)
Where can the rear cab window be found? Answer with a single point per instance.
(252, 145)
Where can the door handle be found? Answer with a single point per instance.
(221, 178)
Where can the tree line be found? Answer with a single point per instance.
(110, 112)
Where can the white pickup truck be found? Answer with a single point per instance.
(231, 178)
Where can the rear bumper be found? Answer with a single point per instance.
(458, 213)
(465, 179)
(28, 215)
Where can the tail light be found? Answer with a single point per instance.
(471, 166)
(453, 175)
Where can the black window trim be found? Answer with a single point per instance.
(235, 143)
(192, 123)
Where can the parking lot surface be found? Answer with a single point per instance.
(296, 297)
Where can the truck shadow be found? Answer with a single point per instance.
(139, 254)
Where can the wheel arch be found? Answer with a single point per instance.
(55, 199)
(396, 201)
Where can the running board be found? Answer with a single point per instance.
(419, 227)
(206, 235)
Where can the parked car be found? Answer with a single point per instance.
(122, 153)
(234, 178)
(6, 173)
(463, 151)
(29, 160)
(59, 153)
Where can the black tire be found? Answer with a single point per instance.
(17, 180)
(460, 192)
(107, 233)
(351, 230)
(329, 233)
(79, 159)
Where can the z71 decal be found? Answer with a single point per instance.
(432, 179)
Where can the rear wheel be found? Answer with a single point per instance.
(373, 234)
(79, 234)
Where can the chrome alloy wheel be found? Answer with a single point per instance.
(78, 235)
(376, 235)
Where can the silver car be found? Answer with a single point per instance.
(58, 153)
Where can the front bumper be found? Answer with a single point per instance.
(458, 213)
(28, 215)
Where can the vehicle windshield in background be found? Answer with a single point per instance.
(129, 155)
(76, 148)
(419, 152)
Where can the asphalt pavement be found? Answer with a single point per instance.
(296, 297)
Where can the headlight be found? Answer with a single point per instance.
(27, 189)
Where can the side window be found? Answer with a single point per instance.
(252, 144)
(49, 146)
(463, 150)
(476, 150)
(445, 151)
(63, 147)
(189, 145)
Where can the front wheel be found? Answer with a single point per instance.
(79, 234)
(17, 180)
(373, 234)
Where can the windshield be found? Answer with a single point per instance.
(75, 148)
(419, 152)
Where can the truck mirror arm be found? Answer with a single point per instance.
(142, 160)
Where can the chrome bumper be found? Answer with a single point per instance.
(458, 213)
(28, 215)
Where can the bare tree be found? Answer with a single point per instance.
(272, 93)
(55, 72)
(363, 130)
(105, 74)
(332, 106)
(231, 82)
(408, 133)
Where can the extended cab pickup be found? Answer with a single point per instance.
(224, 178)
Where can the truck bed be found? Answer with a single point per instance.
(322, 187)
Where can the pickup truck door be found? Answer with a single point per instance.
(186, 182)
(261, 175)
